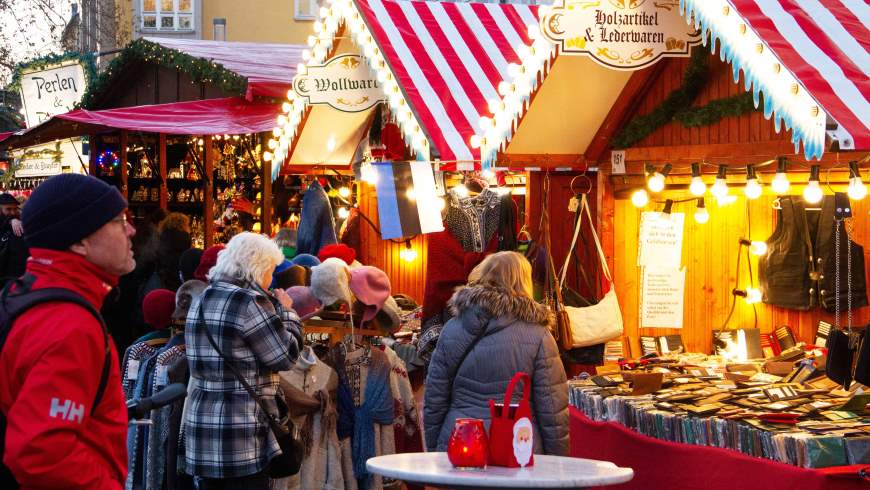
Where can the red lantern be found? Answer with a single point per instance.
(468, 446)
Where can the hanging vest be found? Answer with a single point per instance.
(798, 271)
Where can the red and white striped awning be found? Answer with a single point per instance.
(449, 59)
(824, 48)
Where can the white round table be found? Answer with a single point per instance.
(434, 469)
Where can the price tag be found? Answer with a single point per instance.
(132, 369)
(617, 162)
(162, 376)
(573, 204)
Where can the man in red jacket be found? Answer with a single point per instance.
(52, 361)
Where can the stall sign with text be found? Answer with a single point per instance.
(620, 34)
(344, 83)
(51, 91)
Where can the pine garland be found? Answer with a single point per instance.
(200, 70)
(86, 59)
(678, 105)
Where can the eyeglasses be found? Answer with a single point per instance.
(120, 219)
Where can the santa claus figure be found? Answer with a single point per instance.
(523, 441)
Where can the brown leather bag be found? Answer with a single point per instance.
(562, 331)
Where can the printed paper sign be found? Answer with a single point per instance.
(661, 240)
(344, 83)
(51, 91)
(620, 34)
(661, 302)
(617, 162)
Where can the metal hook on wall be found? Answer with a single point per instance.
(585, 189)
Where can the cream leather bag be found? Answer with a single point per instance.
(601, 322)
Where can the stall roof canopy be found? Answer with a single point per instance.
(449, 59)
(824, 46)
(200, 117)
(269, 68)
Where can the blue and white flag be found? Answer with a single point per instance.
(407, 200)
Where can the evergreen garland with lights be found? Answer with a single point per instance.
(198, 69)
(678, 105)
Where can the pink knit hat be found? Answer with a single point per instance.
(370, 286)
(304, 303)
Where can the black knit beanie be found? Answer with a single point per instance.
(68, 207)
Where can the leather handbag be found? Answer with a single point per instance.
(601, 322)
(511, 430)
(289, 461)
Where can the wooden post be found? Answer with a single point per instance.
(266, 201)
(164, 192)
(92, 156)
(208, 202)
(122, 170)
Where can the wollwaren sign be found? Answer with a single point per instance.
(50, 91)
(344, 83)
(620, 34)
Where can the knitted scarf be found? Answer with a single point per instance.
(377, 408)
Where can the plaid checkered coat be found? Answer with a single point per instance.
(226, 433)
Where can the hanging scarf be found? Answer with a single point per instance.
(377, 408)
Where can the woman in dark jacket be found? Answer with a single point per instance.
(496, 306)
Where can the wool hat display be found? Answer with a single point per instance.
(305, 303)
(337, 250)
(67, 208)
(184, 297)
(207, 261)
(329, 282)
(295, 275)
(188, 262)
(388, 319)
(7, 199)
(157, 308)
(306, 260)
(370, 286)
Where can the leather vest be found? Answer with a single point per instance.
(798, 271)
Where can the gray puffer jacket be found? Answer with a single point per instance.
(515, 339)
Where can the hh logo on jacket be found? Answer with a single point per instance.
(67, 410)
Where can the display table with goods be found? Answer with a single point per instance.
(755, 429)
(435, 469)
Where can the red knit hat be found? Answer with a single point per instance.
(206, 262)
(157, 308)
(339, 251)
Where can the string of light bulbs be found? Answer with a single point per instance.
(656, 180)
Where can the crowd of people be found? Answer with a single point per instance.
(64, 420)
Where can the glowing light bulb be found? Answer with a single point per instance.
(752, 189)
(780, 183)
(640, 198)
(461, 190)
(813, 192)
(412, 194)
(857, 189)
(697, 187)
(344, 191)
(267, 156)
(408, 254)
(758, 248)
(719, 189)
(343, 213)
(656, 182)
(753, 295)
(272, 144)
(701, 214)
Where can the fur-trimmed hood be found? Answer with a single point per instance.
(497, 302)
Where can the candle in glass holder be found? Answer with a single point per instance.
(468, 446)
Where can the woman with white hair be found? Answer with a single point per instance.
(228, 439)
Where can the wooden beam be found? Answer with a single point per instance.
(164, 192)
(524, 160)
(122, 171)
(266, 195)
(92, 155)
(624, 107)
(208, 202)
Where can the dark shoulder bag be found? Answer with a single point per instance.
(290, 460)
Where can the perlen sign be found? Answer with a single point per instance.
(344, 83)
(620, 34)
(51, 91)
